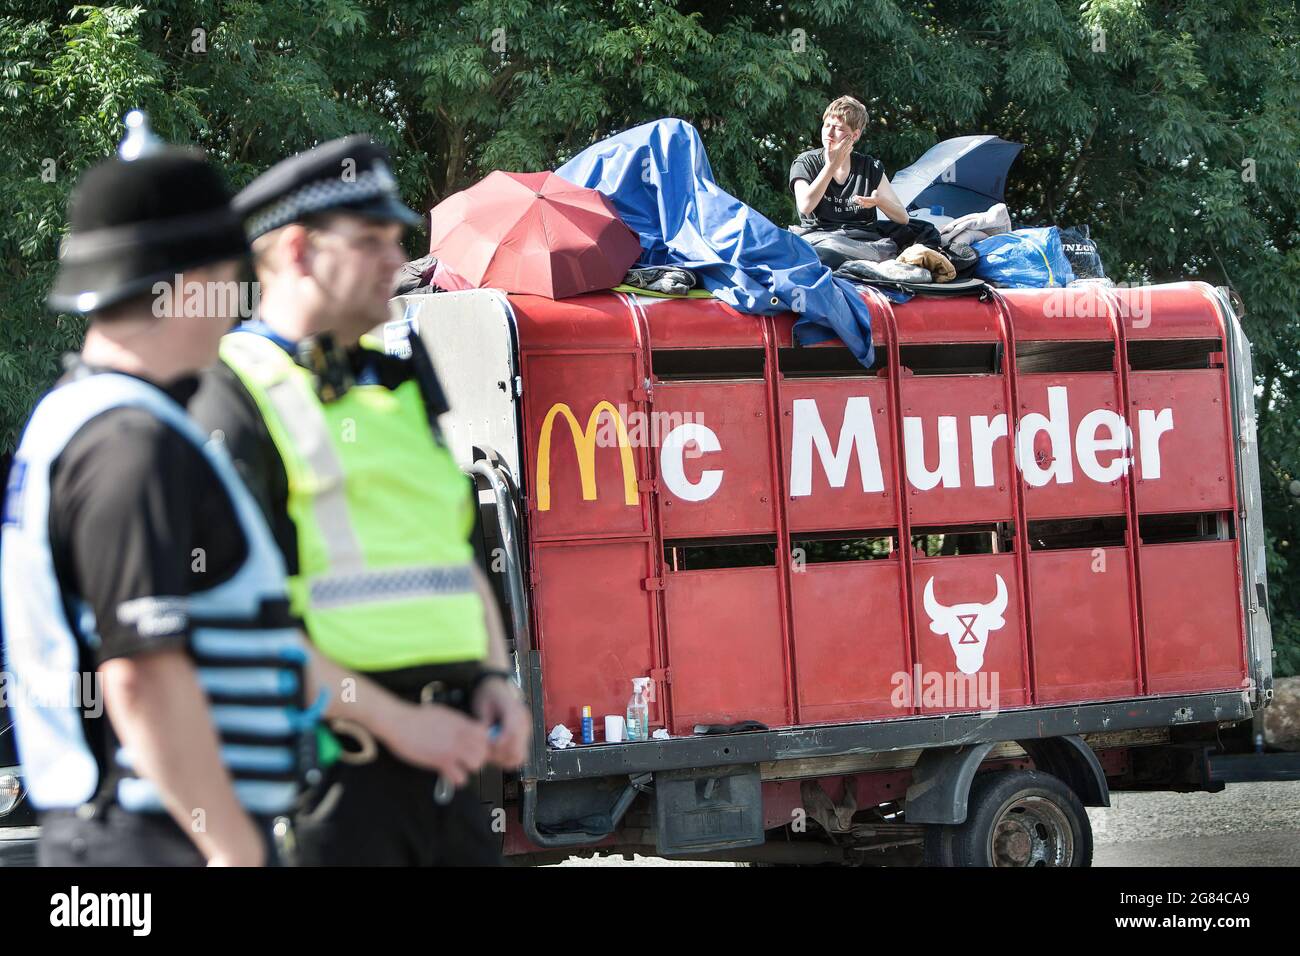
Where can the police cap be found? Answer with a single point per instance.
(344, 175)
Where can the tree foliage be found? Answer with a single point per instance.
(1169, 128)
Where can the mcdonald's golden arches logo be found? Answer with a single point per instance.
(584, 444)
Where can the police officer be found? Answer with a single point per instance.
(139, 575)
(340, 443)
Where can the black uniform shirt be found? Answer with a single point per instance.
(223, 404)
(139, 518)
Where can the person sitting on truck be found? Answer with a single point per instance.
(838, 190)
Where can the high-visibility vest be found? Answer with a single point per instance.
(247, 649)
(382, 513)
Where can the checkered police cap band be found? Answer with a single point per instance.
(375, 183)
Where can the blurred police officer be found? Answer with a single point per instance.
(339, 441)
(132, 550)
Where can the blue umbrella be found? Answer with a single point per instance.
(963, 175)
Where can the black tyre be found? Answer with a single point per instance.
(1015, 818)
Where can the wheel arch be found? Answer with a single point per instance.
(941, 779)
(1073, 762)
(941, 782)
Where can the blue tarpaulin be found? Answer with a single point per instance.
(659, 179)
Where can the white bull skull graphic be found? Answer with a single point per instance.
(967, 625)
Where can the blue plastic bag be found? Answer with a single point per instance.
(1024, 259)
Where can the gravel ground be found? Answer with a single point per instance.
(1246, 824)
(1241, 808)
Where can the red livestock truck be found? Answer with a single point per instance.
(928, 610)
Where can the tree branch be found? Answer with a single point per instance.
(499, 81)
(1222, 268)
(1266, 403)
(1072, 178)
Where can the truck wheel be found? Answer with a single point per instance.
(1015, 818)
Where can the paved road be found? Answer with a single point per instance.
(1274, 848)
(1248, 824)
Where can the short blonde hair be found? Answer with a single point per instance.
(846, 108)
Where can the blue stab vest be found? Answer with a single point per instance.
(249, 654)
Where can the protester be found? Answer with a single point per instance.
(837, 191)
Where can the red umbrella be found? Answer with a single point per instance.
(532, 232)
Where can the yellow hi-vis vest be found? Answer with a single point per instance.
(382, 512)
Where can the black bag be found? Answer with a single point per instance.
(1081, 250)
(963, 258)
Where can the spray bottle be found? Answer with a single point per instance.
(638, 711)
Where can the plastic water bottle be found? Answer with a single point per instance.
(638, 711)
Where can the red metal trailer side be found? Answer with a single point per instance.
(1032, 524)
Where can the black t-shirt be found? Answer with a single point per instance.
(836, 208)
(138, 518)
(224, 404)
